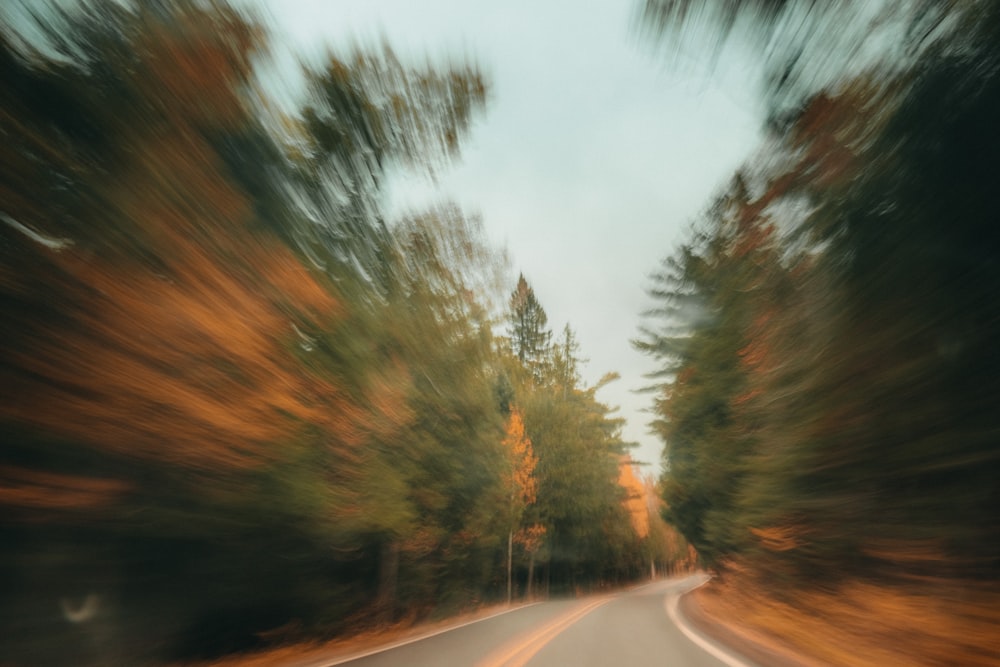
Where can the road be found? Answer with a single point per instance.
(626, 629)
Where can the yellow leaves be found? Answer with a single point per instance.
(521, 457)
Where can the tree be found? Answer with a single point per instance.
(531, 538)
(858, 416)
(527, 326)
(205, 375)
(577, 439)
(434, 322)
(708, 294)
(317, 174)
(566, 362)
(519, 481)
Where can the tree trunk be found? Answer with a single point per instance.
(510, 548)
(531, 573)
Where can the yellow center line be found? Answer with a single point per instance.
(521, 649)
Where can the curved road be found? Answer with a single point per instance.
(626, 629)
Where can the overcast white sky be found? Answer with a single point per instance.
(591, 161)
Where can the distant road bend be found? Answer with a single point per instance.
(633, 628)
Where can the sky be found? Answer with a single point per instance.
(592, 160)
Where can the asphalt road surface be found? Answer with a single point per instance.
(626, 629)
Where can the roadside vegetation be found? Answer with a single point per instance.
(825, 341)
(241, 406)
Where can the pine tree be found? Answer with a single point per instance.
(527, 327)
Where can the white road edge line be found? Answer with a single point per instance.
(413, 640)
(670, 603)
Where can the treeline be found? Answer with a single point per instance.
(239, 405)
(825, 341)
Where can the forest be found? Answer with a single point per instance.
(243, 405)
(826, 375)
(240, 405)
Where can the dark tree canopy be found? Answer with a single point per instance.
(824, 376)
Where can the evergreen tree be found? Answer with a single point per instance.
(527, 327)
(840, 382)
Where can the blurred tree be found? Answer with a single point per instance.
(451, 456)
(580, 502)
(858, 377)
(366, 114)
(707, 295)
(181, 388)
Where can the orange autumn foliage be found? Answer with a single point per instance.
(517, 445)
(860, 624)
(531, 537)
(163, 327)
(635, 501)
(22, 487)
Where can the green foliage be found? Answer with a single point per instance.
(824, 392)
(288, 422)
(530, 338)
(577, 439)
(366, 113)
(706, 294)
(239, 405)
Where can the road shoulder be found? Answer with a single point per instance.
(759, 649)
(337, 651)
